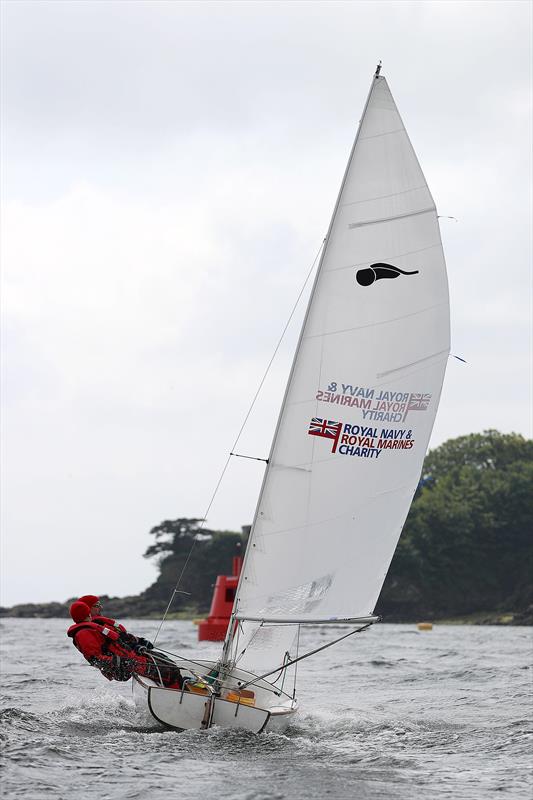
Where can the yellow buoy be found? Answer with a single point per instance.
(424, 626)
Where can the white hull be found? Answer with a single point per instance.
(271, 710)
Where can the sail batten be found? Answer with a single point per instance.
(440, 354)
(360, 402)
(391, 219)
(383, 196)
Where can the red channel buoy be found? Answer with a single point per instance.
(213, 629)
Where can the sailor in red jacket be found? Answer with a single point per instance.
(103, 647)
(95, 605)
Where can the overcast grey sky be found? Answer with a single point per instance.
(169, 171)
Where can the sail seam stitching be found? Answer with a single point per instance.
(337, 517)
(375, 324)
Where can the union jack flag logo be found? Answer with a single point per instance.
(418, 402)
(327, 428)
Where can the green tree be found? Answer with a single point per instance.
(176, 536)
(198, 554)
(467, 543)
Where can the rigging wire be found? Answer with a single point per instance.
(296, 662)
(204, 518)
(306, 655)
(248, 643)
(181, 657)
(286, 658)
(148, 653)
(201, 675)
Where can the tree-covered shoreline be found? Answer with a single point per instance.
(465, 554)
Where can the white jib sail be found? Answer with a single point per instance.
(360, 403)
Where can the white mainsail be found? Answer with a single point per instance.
(360, 403)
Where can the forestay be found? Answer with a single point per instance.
(360, 403)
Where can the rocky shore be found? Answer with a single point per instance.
(138, 608)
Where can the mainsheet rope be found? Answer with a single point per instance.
(231, 453)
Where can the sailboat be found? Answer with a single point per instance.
(350, 440)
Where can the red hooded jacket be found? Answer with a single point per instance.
(101, 647)
(104, 647)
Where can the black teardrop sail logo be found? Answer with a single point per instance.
(375, 272)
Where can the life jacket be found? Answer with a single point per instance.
(110, 634)
(110, 623)
(127, 640)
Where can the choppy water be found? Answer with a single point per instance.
(391, 713)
